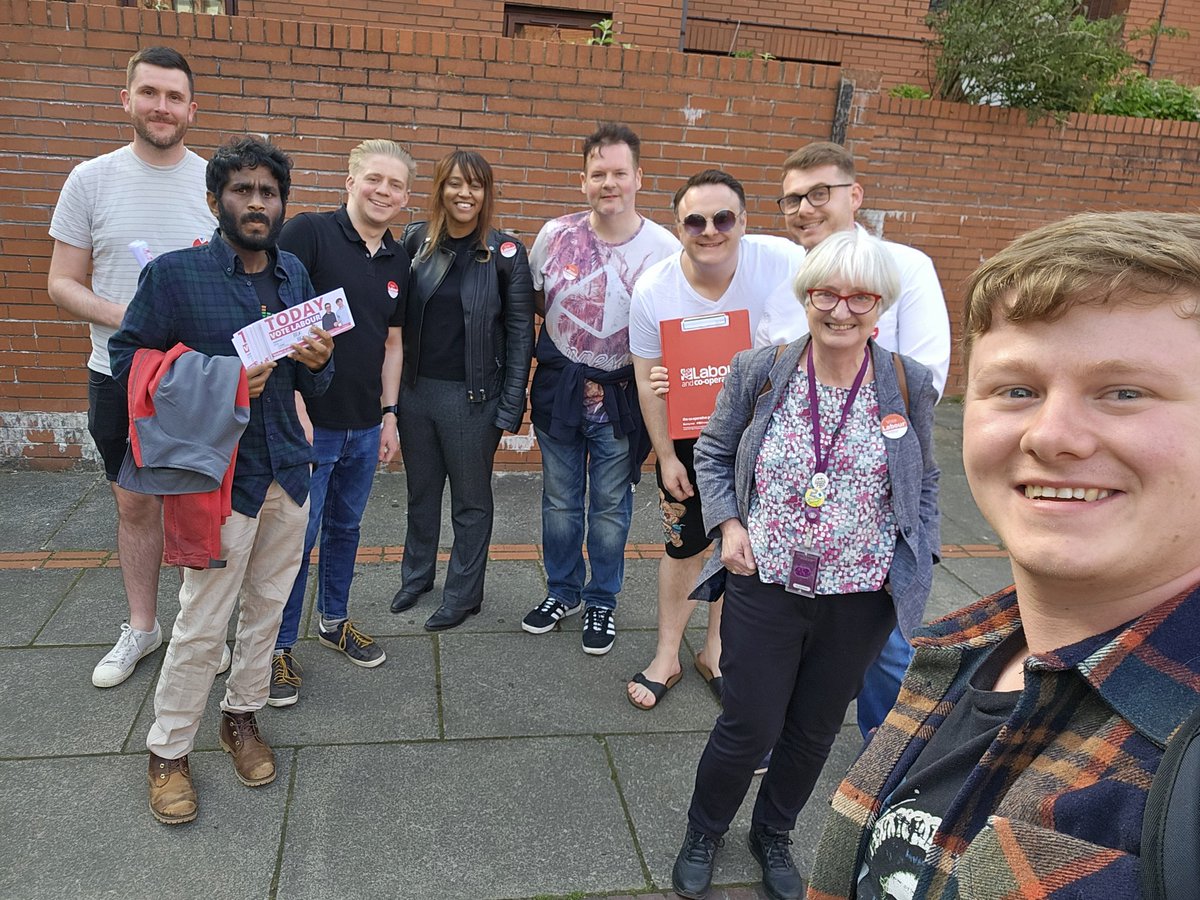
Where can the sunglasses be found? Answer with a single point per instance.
(723, 220)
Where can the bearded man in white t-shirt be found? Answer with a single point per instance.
(114, 212)
(720, 270)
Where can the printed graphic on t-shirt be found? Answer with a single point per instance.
(899, 843)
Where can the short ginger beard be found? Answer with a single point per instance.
(230, 229)
(141, 126)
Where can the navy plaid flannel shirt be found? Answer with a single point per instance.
(199, 297)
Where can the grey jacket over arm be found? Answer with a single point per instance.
(728, 448)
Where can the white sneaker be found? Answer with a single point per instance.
(131, 647)
(226, 660)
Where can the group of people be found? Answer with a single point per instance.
(814, 479)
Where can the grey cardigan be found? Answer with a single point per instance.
(727, 450)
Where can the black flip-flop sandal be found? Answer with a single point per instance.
(657, 688)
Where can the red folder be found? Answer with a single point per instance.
(696, 352)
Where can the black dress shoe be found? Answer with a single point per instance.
(693, 870)
(406, 599)
(445, 617)
(781, 878)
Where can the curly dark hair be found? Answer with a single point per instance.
(248, 153)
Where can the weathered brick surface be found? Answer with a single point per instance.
(956, 181)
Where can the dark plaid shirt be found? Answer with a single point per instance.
(199, 297)
(1054, 808)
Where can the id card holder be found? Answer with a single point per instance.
(802, 579)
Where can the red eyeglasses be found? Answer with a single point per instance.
(859, 303)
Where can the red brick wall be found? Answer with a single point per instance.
(1169, 57)
(958, 182)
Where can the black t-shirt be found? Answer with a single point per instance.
(443, 329)
(903, 833)
(376, 288)
(266, 285)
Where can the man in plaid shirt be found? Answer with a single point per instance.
(200, 297)
(1017, 759)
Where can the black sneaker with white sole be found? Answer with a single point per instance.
(599, 630)
(547, 614)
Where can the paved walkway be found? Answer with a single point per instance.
(479, 763)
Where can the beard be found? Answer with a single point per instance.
(142, 127)
(231, 228)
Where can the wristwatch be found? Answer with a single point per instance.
(393, 409)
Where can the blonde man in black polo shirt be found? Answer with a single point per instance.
(351, 248)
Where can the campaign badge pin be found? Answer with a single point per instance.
(393, 290)
(508, 249)
(570, 271)
(894, 426)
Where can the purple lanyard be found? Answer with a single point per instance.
(815, 409)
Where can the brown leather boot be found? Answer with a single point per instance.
(172, 797)
(253, 760)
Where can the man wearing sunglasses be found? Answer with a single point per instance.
(720, 270)
(820, 198)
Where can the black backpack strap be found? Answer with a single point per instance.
(1170, 863)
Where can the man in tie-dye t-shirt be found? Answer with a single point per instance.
(583, 402)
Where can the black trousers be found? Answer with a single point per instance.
(792, 665)
(443, 436)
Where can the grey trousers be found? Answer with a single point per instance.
(442, 435)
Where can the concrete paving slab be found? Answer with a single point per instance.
(79, 827)
(657, 774)
(949, 593)
(511, 590)
(444, 821)
(982, 575)
(28, 597)
(547, 685)
(36, 503)
(48, 706)
(340, 701)
(95, 606)
(89, 525)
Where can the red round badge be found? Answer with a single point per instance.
(393, 290)
(894, 426)
(508, 249)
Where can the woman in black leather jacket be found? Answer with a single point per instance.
(468, 340)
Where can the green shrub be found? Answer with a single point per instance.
(1149, 98)
(1039, 55)
(910, 92)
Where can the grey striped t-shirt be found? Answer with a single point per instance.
(115, 199)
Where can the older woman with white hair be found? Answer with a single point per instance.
(819, 484)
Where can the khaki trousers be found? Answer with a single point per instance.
(262, 556)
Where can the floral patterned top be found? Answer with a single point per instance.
(855, 532)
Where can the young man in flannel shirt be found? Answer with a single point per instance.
(1017, 759)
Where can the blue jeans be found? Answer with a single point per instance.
(341, 484)
(595, 462)
(881, 685)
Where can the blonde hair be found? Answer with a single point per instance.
(818, 154)
(381, 147)
(1093, 258)
(855, 256)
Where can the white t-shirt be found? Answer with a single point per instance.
(917, 324)
(588, 283)
(115, 199)
(663, 291)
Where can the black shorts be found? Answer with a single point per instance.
(682, 520)
(108, 420)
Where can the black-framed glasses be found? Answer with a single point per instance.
(818, 196)
(723, 220)
(859, 303)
